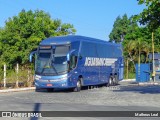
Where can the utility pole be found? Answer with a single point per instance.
(153, 73)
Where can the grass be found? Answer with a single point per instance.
(131, 75)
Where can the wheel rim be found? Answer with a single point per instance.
(114, 80)
(78, 84)
(110, 81)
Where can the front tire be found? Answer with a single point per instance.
(37, 90)
(110, 82)
(50, 89)
(78, 86)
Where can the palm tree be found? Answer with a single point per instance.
(133, 50)
(142, 48)
(147, 50)
(129, 51)
(129, 48)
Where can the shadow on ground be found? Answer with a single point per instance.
(143, 89)
(70, 90)
(36, 110)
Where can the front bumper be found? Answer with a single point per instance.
(62, 81)
(52, 84)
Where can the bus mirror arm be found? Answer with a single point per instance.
(31, 55)
(68, 57)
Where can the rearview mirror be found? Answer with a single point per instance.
(31, 55)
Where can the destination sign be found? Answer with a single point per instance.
(45, 47)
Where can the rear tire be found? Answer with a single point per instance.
(113, 81)
(78, 86)
(116, 80)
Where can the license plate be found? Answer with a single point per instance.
(49, 85)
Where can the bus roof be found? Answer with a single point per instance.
(72, 38)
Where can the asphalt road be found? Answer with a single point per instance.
(127, 96)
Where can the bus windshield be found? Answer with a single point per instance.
(52, 62)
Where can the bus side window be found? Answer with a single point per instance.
(73, 61)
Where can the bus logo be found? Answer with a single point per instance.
(90, 61)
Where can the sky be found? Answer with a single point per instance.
(92, 18)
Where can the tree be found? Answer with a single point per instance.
(136, 41)
(157, 40)
(141, 39)
(24, 32)
(129, 50)
(120, 29)
(150, 16)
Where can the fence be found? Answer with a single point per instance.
(16, 78)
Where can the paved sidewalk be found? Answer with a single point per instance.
(128, 80)
(16, 89)
(141, 83)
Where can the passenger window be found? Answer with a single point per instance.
(89, 49)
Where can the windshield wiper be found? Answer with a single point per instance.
(50, 64)
(44, 67)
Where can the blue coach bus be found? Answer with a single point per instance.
(76, 61)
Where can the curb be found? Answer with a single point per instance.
(126, 80)
(17, 89)
(148, 83)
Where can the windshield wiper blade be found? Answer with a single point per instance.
(43, 68)
(50, 64)
(54, 68)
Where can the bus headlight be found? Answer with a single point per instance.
(64, 84)
(37, 77)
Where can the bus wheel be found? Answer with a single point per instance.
(50, 89)
(78, 86)
(116, 80)
(37, 90)
(110, 82)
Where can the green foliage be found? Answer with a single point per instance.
(137, 40)
(131, 75)
(25, 78)
(150, 15)
(157, 40)
(24, 32)
(120, 28)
